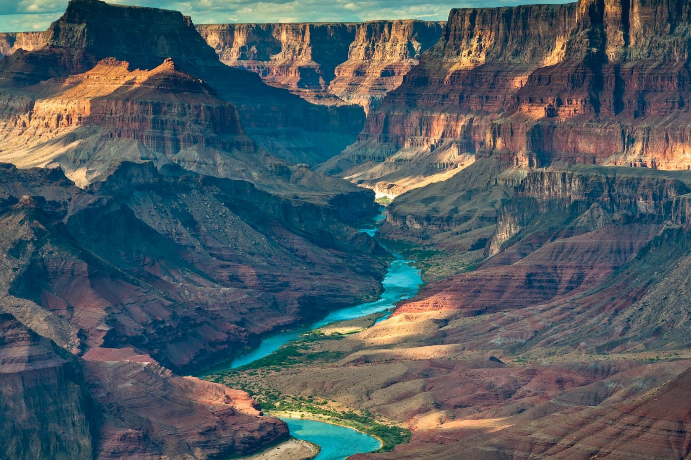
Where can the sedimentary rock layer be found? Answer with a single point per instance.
(567, 338)
(91, 31)
(58, 406)
(170, 265)
(12, 41)
(355, 62)
(591, 82)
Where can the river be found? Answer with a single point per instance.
(336, 442)
(402, 281)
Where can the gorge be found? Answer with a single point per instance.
(178, 196)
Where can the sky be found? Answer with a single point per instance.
(36, 15)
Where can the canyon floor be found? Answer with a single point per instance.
(565, 337)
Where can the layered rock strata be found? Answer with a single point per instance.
(13, 41)
(150, 271)
(282, 123)
(567, 337)
(329, 63)
(108, 406)
(587, 82)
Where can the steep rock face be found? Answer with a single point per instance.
(601, 197)
(561, 233)
(284, 124)
(144, 37)
(199, 419)
(149, 114)
(45, 410)
(12, 41)
(108, 406)
(357, 63)
(382, 53)
(583, 82)
(293, 56)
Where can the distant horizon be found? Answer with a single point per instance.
(37, 15)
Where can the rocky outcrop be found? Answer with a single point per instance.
(599, 197)
(356, 63)
(199, 420)
(45, 409)
(150, 114)
(12, 41)
(108, 406)
(292, 56)
(586, 82)
(382, 53)
(282, 123)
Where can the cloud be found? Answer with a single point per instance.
(38, 14)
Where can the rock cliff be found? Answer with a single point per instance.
(12, 41)
(356, 63)
(108, 406)
(91, 31)
(590, 82)
(152, 114)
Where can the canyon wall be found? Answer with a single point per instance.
(12, 41)
(90, 31)
(602, 82)
(330, 63)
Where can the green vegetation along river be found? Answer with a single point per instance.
(402, 282)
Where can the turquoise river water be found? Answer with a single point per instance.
(402, 282)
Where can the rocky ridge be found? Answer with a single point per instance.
(284, 124)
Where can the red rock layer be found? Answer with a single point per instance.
(109, 406)
(585, 293)
(199, 419)
(45, 411)
(91, 31)
(625, 412)
(357, 63)
(77, 121)
(594, 82)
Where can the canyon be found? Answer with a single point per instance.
(538, 160)
(172, 193)
(565, 338)
(152, 227)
